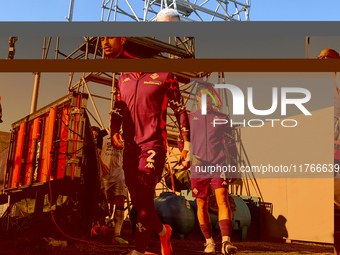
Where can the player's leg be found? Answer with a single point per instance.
(201, 190)
(150, 169)
(224, 211)
(110, 202)
(224, 215)
(130, 167)
(103, 212)
(119, 200)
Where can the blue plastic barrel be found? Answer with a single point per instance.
(175, 211)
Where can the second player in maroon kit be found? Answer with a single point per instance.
(141, 107)
(211, 146)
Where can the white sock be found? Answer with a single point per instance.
(225, 239)
(137, 253)
(210, 240)
(163, 232)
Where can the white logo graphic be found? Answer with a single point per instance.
(154, 76)
(150, 159)
(153, 82)
(195, 191)
(150, 165)
(140, 227)
(239, 100)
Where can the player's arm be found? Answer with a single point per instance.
(177, 105)
(116, 117)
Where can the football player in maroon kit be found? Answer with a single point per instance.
(140, 108)
(211, 146)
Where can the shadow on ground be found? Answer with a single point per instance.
(35, 242)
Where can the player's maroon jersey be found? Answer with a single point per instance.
(141, 104)
(208, 140)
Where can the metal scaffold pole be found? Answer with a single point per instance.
(70, 11)
(37, 77)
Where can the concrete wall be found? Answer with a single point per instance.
(302, 203)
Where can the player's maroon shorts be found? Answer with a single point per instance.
(201, 186)
(142, 163)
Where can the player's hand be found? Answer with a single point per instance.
(196, 160)
(184, 156)
(185, 159)
(117, 141)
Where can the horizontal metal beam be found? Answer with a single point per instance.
(170, 65)
(160, 46)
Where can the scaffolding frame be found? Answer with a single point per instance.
(154, 48)
(176, 48)
(189, 10)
